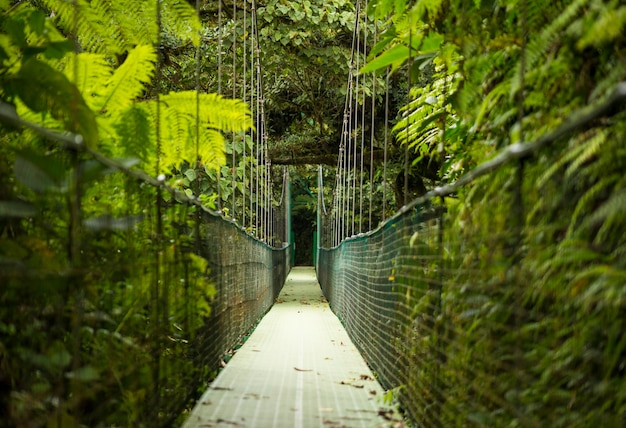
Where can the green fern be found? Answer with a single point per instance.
(183, 20)
(128, 81)
(48, 91)
(81, 18)
(113, 27)
(88, 71)
(215, 111)
(545, 40)
(591, 149)
(584, 206)
(135, 134)
(212, 150)
(178, 124)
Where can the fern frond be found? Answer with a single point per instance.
(606, 28)
(90, 22)
(576, 147)
(175, 126)
(585, 203)
(128, 81)
(539, 45)
(592, 148)
(215, 111)
(44, 89)
(136, 21)
(89, 71)
(613, 210)
(182, 19)
(212, 149)
(135, 133)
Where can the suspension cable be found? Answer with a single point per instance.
(373, 114)
(385, 145)
(362, 126)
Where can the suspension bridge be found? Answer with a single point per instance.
(178, 294)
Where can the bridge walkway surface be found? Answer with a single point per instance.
(298, 369)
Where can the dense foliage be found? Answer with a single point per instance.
(103, 288)
(82, 247)
(528, 328)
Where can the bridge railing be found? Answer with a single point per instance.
(121, 295)
(499, 300)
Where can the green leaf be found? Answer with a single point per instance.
(40, 173)
(84, 374)
(37, 22)
(393, 57)
(45, 89)
(129, 80)
(432, 43)
(57, 50)
(191, 174)
(15, 29)
(18, 209)
(58, 357)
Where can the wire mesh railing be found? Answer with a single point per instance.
(121, 295)
(499, 300)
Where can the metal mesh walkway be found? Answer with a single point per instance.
(298, 369)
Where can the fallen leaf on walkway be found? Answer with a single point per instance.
(388, 415)
(352, 384)
(366, 377)
(224, 421)
(206, 403)
(373, 392)
(220, 388)
(302, 370)
(304, 302)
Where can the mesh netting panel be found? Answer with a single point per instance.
(503, 306)
(120, 296)
(248, 276)
(366, 281)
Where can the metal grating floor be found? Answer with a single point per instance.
(298, 369)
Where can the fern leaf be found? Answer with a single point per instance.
(585, 203)
(538, 45)
(175, 136)
(90, 21)
(215, 111)
(182, 18)
(613, 209)
(127, 82)
(88, 71)
(135, 133)
(212, 149)
(592, 148)
(44, 89)
(576, 148)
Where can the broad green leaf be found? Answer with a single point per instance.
(190, 174)
(37, 22)
(45, 89)
(40, 173)
(17, 209)
(431, 43)
(84, 374)
(393, 57)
